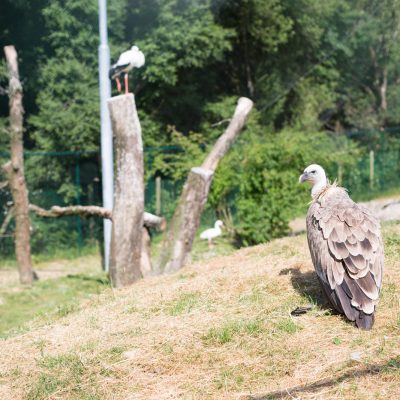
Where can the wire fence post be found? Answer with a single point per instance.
(371, 169)
(158, 195)
(340, 173)
(78, 202)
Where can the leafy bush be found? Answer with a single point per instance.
(261, 175)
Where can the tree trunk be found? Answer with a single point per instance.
(226, 140)
(15, 171)
(126, 237)
(178, 239)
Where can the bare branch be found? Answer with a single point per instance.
(83, 211)
(221, 122)
(150, 220)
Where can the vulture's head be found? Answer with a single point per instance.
(314, 174)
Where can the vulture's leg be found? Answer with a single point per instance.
(126, 84)
(118, 84)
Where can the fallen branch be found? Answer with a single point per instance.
(150, 220)
(83, 211)
(178, 240)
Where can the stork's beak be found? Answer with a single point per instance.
(303, 177)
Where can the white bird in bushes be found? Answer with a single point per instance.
(132, 58)
(212, 233)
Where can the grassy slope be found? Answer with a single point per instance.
(62, 285)
(219, 329)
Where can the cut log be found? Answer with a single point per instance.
(14, 171)
(149, 220)
(83, 211)
(178, 239)
(126, 236)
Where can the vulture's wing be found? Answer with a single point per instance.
(350, 258)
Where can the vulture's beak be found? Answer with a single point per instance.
(303, 177)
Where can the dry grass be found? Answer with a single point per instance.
(220, 329)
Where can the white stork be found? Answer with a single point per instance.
(128, 60)
(212, 233)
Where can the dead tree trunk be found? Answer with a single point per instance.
(178, 239)
(126, 236)
(14, 170)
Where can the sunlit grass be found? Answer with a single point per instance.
(49, 298)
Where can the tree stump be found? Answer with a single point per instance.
(127, 215)
(182, 229)
(178, 239)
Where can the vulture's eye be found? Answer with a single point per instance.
(313, 172)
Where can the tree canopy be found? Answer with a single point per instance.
(314, 70)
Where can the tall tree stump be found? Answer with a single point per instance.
(183, 226)
(178, 239)
(14, 170)
(126, 236)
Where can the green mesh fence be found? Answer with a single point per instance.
(82, 186)
(71, 233)
(377, 169)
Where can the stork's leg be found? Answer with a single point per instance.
(118, 84)
(210, 244)
(126, 84)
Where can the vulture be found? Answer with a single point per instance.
(212, 233)
(346, 248)
(129, 59)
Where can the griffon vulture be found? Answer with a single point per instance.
(346, 248)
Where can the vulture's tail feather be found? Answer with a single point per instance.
(365, 321)
(342, 303)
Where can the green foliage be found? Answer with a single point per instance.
(262, 176)
(188, 152)
(309, 66)
(185, 37)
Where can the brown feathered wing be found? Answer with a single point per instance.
(347, 251)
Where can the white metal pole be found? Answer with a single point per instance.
(106, 132)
